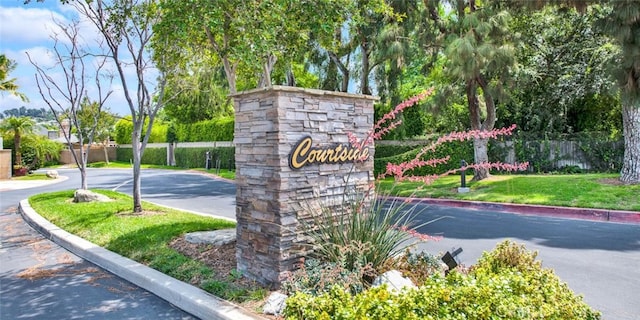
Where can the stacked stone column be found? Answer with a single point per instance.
(271, 196)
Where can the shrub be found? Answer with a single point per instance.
(417, 266)
(124, 129)
(603, 153)
(456, 150)
(220, 129)
(38, 151)
(315, 277)
(501, 286)
(367, 233)
(156, 156)
(387, 150)
(195, 157)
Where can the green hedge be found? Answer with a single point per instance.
(458, 150)
(383, 150)
(195, 157)
(507, 283)
(185, 157)
(220, 129)
(150, 156)
(124, 129)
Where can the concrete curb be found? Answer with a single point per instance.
(184, 296)
(619, 216)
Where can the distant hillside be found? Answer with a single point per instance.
(41, 114)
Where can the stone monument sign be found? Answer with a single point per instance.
(292, 146)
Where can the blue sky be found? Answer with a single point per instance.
(28, 28)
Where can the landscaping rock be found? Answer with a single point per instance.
(275, 304)
(53, 174)
(217, 237)
(89, 196)
(394, 280)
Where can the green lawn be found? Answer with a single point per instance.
(143, 238)
(580, 190)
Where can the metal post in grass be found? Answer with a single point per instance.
(463, 179)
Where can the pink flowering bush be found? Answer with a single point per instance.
(374, 228)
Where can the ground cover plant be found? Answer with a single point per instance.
(506, 283)
(148, 237)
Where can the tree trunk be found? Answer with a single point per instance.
(267, 67)
(479, 145)
(84, 155)
(106, 153)
(630, 172)
(83, 178)
(16, 145)
(135, 146)
(364, 80)
(480, 156)
(291, 79)
(230, 72)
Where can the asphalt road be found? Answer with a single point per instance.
(41, 280)
(599, 260)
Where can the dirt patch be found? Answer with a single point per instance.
(222, 259)
(611, 181)
(143, 213)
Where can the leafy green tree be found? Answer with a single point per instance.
(199, 94)
(9, 85)
(95, 125)
(248, 38)
(622, 24)
(17, 127)
(562, 79)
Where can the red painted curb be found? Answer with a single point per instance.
(537, 210)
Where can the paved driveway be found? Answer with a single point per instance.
(597, 259)
(40, 280)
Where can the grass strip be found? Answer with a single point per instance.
(222, 173)
(601, 191)
(142, 237)
(33, 176)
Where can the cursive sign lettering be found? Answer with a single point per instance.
(303, 153)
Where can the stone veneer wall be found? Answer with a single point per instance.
(270, 195)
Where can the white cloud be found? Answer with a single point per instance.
(22, 25)
(29, 29)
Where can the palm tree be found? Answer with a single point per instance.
(17, 126)
(6, 66)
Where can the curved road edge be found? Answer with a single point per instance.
(184, 296)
